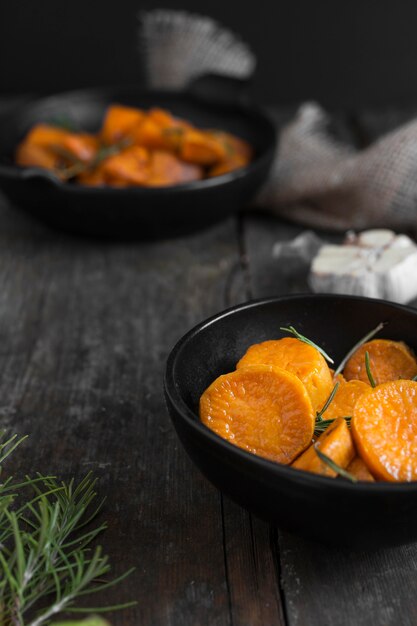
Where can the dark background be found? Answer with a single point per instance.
(348, 53)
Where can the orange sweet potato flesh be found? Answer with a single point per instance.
(31, 155)
(298, 358)
(120, 122)
(389, 360)
(262, 409)
(384, 427)
(178, 152)
(129, 167)
(230, 164)
(359, 470)
(336, 442)
(345, 399)
(202, 148)
(166, 169)
(81, 146)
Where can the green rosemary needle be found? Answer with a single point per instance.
(357, 345)
(321, 426)
(334, 466)
(47, 560)
(368, 370)
(319, 414)
(301, 337)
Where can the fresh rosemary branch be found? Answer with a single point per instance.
(368, 370)
(296, 334)
(47, 561)
(78, 167)
(360, 343)
(322, 425)
(334, 466)
(319, 414)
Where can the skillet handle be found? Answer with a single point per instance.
(35, 174)
(220, 89)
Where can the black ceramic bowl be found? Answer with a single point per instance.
(329, 510)
(138, 212)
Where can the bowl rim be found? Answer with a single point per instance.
(193, 419)
(246, 108)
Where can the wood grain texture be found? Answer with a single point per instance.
(85, 329)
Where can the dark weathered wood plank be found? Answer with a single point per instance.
(85, 329)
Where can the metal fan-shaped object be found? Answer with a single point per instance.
(177, 46)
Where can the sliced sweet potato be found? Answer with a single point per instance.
(389, 360)
(202, 148)
(59, 141)
(230, 164)
(93, 178)
(151, 135)
(31, 155)
(336, 443)
(298, 358)
(262, 409)
(233, 145)
(167, 169)
(129, 167)
(345, 399)
(384, 427)
(339, 378)
(119, 123)
(359, 470)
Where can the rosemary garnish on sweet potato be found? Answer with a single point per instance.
(368, 370)
(357, 345)
(301, 337)
(334, 466)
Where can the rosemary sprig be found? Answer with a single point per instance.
(323, 425)
(47, 560)
(298, 335)
(357, 345)
(319, 414)
(334, 466)
(368, 370)
(78, 167)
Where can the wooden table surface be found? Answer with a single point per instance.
(85, 329)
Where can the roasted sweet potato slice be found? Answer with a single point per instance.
(230, 164)
(93, 178)
(345, 399)
(166, 169)
(202, 148)
(119, 123)
(336, 443)
(31, 155)
(298, 358)
(389, 360)
(384, 427)
(233, 145)
(359, 470)
(262, 409)
(81, 146)
(129, 167)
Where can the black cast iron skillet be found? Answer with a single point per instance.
(210, 102)
(332, 511)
